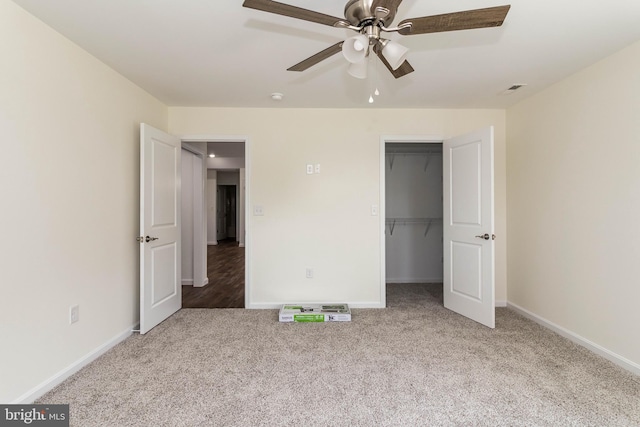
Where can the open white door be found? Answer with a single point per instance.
(468, 226)
(160, 205)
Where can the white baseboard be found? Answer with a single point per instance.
(187, 282)
(376, 304)
(589, 345)
(212, 243)
(241, 245)
(263, 306)
(500, 303)
(48, 385)
(270, 306)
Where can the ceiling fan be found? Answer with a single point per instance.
(369, 18)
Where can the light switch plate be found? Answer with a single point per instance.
(258, 210)
(309, 169)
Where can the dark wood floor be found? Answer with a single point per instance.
(225, 269)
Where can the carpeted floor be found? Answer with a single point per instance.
(412, 364)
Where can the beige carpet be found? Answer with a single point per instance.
(414, 363)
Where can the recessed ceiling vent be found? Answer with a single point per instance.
(513, 88)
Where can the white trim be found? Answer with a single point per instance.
(500, 303)
(263, 306)
(49, 384)
(418, 139)
(367, 305)
(247, 222)
(241, 245)
(214, 138)
(271, 305)
(187, 282)
(382, 228)
(247, 198)
(212, 243)
(589, 345)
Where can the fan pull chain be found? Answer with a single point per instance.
(373, 82)
(376, 70)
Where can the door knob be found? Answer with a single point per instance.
(484, 236)
(150, 239)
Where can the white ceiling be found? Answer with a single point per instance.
(217, 53)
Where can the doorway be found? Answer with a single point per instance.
(226, 213)
(413, 217)
(226, 231)
(467, 222)
(160, 220)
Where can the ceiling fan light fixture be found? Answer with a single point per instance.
(355, 48)
(358, 69)
(394, 53)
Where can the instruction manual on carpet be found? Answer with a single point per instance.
(315, 313)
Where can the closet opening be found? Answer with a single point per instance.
(413, 207)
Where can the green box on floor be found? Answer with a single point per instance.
(315, 313)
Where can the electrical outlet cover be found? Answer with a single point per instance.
(74, 314)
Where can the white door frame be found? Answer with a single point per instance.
(199, 222)
(247, 192)
(403, 139)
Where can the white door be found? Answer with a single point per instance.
(160, 205)
(468, 226)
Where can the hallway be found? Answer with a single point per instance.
(225, 270)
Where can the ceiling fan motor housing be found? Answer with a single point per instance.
(361, 12)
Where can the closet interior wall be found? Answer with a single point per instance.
(413, 205)
(191, 174)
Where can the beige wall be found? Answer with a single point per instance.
(323, 221)
(574, 204)
(69, 184)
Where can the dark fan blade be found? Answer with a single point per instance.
(404, 68)
(292, 11)
(469, 19)
(318, 57)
